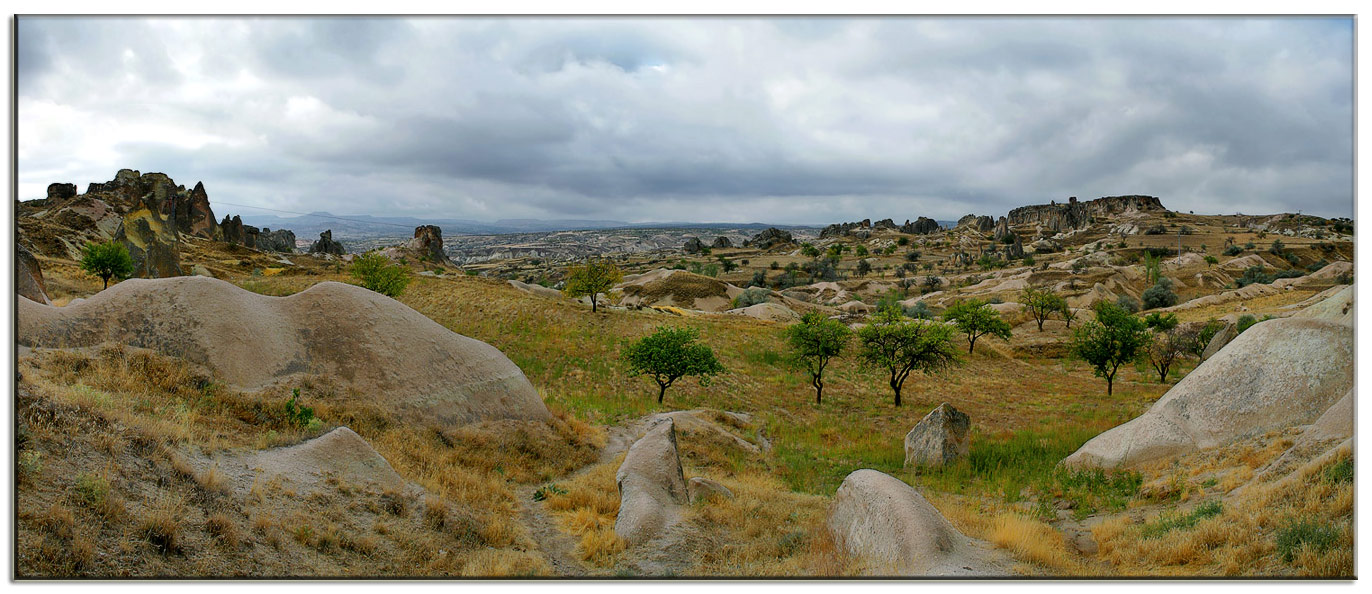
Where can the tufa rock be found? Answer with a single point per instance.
(59, 191)
(428, 241)
(722, 243)
(281, 240)
(1278, 373)
(705, 489)
(1077, 215)
(236, 233)
(1221, 338)
(939, 438)
(326, 244)
(768, 238)
(922, 226)
(651, 486)
(151, 239)
(693, 246)
(28, 276)
(193, 214)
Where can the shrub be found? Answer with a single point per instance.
(591, 279)
(1249, 246)
(751, 296)
(912, 255)
(1159, 295)
(1211, 260)
(1277, 248)
(809, 251)
(1297, 533)
(759, 279)
(1028, 259)
(300, 416)
(814, 342)
(377, 273)
(669, 354)
(975, 318)
(107, 260)
(1255, 275)
(1247, 321)
(1168, 522)
(920, 311)
(775, 265)
(863, 267)
(1155, 230)
(1161, 322)
(861, 251)
(904, 241)
(1338, 472)
(1128, 304)
(1233, 250)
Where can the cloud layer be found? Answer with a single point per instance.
(779, 120)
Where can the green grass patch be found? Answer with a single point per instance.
(1168, 522)
(1338, 472)
(1298, 533)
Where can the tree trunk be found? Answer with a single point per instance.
(107, 282)
(895, 387)
(592, 303)
(971, 343)
(1110, 385)
(819, 389)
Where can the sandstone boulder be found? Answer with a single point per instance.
(703, 489)
(1335, 308)
(941, 437)
(772, 312)
(722, 243)
(1277, 374)
(768, 238)
(651, 486)
(894, 531)
(28, 276)
(369, 344)
(693, 246)
(1221, 338)
(326, 244)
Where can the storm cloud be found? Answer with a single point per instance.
(782, 120)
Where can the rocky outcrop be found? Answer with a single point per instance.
(1221, 338)
(722, 243)
(844, 229)
(769, 238)
(1045, 246)
(921, 226)
(693, 246)
(651, 485)
(703, 489)
(885, 225)
(280, 240)
(368, 344)
(941, 437)
(772, 312)
(326, 245)
(235, 232)
(1278, 373)
(28, 277)
(1055, 217)
(677, 288)
(60, 191)
(193, 214)
(895, 531)
(428, 242)
(151, 239)
(977, 223)
(1002, 229)
(1016, 249)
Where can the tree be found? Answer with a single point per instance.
(1161, 322)
(814, 341)
(107, 260)
(863, 267)
(1115, 337)
(378, 274)
(900, 347)
(1159, 295)
(1068, 314)
(1163, 350)
(669, 354)
(1041, 303)
(976, 318)
(861, 251)
(594, 277)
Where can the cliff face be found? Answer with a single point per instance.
(1076, 215)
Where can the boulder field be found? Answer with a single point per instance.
(372, 345)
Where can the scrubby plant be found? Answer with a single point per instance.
(1114, 338)
(1298, 533)
(300, 416)
(1247, 321)
(1041, 303)
(861, 251)
(863, 267)
(669, 354)
(975, 318)
(903, 241)
(591, 279)
(920, 311)
(1278, 248)
(1233, 250)
(759, 279)
(1167, 522)
(1159, 295)
(107, 260)
(1255, 275)
(1164, 349)
(1028, 259)
(1249, 246)
(1160, 321)
(1128, 304)
(912, 255)
(809, 250)
(1211, 260)
(752, 296)
(899, 347)
(814, 342)
(377, 273)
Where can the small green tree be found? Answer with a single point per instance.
(669, 354)
(378, 274)
(1159, 295)
(1164, 348)
(975, 318)
(1114, 338)
(1068, 314)
(861, 251)
(1041, 303)
(814, 342)
(107, 260)
(899, 347)
(591, 279)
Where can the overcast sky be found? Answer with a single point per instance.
(728, 120)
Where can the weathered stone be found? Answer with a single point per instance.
(326, 244)
(705, 489)
(1076, 215)
(193, 213)
(151, 240)
(28, 276)
(922, 226)
(59, 191)
(651, 485)
(941, 437)
(1221, 338)
(693, 246)
(722, 243)
(768, 238)
(280, 240)
(428, 241)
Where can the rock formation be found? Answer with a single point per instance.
(768, 238)
(151, 239)
(693, 246)
(281, 240)
(193, 214)
(1076, 215)
(941, 437)
(28, 277)
(895, 531)
(1276, 374)
(326, 244)
(705, 489)
(677, 288)
(1221, 338)
(60, 191)
(1002, 229)
(374, 346)
(428, 242)
(722, 243)
(651, 485)
(922, 226)
(236, 233)
(843, 229)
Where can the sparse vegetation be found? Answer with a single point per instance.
(670, 354)
(1041, 303)
(377, 273)
(107, 260)
(975, 318)
(592, 279)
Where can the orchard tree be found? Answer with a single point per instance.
(669, 354)
(1165, 347)
(1068, 314)
(1114, 338)
(1041, 303)
(594, 277)
(899, 346)
(975, 318)
(107, 260)
(814, 342)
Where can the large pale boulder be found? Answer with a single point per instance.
(371, 345)
(28, 276)
(895, 531)
(651, 485)
(1336, 308)
(941, 437)
(705, 489)
(772, 312)
(1277, 374)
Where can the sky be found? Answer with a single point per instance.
(779, 120)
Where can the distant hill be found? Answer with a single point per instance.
(368, 225)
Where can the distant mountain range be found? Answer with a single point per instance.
(366, 225)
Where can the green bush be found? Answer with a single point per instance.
(1298, 533)
(1338, 472)
(1255, 275)
(1233, 250)
(752, 296)
(300, 416)
(378, 274)
(1160, 321)
(669, 354)
(1159, 295)
(107, 260)
(1246, 321)
(1128, 304)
